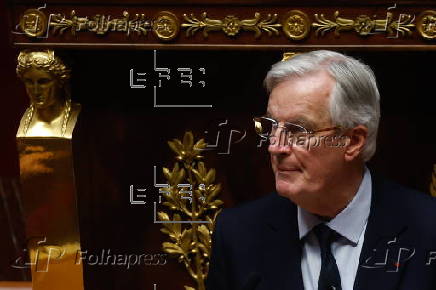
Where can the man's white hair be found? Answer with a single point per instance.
(354, 100)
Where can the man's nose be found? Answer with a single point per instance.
(279, 142)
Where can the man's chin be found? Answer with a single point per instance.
(287, 189)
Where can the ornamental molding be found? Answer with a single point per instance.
(365, 25)
(231, 25)
(165, 25)
(295, 25)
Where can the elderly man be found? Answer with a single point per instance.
(332, 224)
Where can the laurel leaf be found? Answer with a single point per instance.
(171, 248)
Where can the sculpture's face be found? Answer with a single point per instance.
(41, 87)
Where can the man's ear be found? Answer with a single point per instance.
(355, 142)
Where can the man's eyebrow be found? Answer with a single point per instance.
(303, 121)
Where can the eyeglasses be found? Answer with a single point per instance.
(266, 127)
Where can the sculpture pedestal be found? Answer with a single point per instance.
(50, 206)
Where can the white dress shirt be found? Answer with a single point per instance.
(350, 223)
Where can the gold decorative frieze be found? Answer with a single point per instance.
(426, 24)
(232, 25)
(365, 25)
(100, 24)
(165, 25)
(296, 25)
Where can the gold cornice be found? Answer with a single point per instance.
(295, 25)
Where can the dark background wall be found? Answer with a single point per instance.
(12, 104)
(122, 136)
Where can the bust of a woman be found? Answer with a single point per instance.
(51, 112)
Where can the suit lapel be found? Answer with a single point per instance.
(281, 255)
(282, 259)
(384, 228)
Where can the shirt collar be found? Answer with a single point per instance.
(351, 221)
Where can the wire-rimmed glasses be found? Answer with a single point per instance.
(266, 128)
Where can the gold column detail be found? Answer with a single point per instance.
(365, 25)
(231, 25)
(433, 182)
(194, 212)
(426, 24)
(288, 55)
(47, 174)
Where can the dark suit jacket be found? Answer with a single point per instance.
(256, 246)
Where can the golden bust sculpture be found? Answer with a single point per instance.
(51, 112)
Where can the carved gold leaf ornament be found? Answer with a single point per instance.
(365, 25)
(324, 25)
(231, 25)
(404, 25)
(33, 23)
(426, 24)
(59, 23)
(190, 242)
(296, 25)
